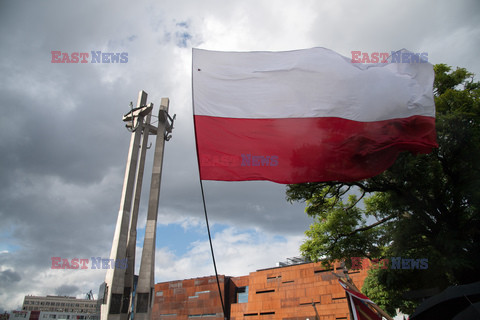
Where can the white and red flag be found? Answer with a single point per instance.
(307, 115)
(359, 305)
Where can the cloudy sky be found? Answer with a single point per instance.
(64, 145)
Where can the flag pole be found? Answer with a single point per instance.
(352, 287)
(349, 306)
(317, 317)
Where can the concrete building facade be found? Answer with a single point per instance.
(52, 315)
(59, 304)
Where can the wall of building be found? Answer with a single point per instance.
(289, 292)
(285, 293)
(189, 299)
(59, 304)
(46, 315)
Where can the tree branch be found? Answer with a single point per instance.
(379, 222)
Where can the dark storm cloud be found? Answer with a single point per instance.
(7, 277)
(67, 290)
(62, 157)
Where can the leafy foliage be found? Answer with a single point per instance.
(424, 206)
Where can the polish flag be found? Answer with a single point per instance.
(307, 115)
(358, 305)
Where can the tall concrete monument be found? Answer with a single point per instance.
(123, 297)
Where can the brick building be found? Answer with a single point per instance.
(289, 292)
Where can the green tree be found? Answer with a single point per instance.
(424, 206)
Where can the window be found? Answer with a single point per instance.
(318, 271)
(266, 291)
(204, 315)
(175, 285)
(273, 278)
(199, 292)
(242, 294)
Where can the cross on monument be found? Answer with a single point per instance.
(123, 297)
